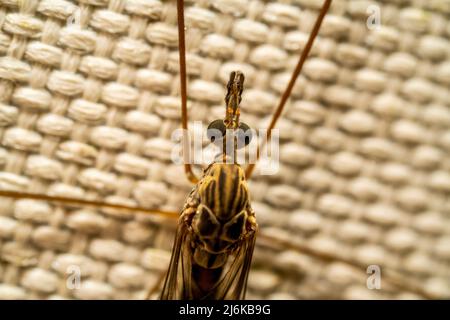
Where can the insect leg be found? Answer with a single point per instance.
(157, 286)
(290, 86)
(83, 202)
(184, 116)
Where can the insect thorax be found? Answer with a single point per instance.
(220, 218)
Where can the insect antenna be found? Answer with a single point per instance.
(183, 92)
(290, 86)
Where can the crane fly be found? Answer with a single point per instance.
(216, 231)
(217, 222)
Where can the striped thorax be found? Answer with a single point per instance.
(222, 216)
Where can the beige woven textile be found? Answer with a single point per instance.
(89, 100)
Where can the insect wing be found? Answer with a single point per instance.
(233, 285)
(178, 275)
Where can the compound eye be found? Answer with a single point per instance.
(216, 130)
(244, 135)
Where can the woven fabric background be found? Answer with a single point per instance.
(89, 100)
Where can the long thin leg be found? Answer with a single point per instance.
(184, 116)
(93, 203)
(390, 276)
(157, 286)
(290, 86)
(266, 238)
